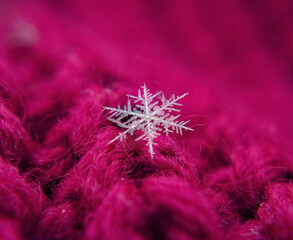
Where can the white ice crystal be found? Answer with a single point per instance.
(149, 116)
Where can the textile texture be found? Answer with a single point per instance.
(62, 61)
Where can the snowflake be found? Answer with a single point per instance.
(150, 116)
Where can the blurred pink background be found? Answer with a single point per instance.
(233, 57)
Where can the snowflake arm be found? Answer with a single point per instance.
(149, 116)
(168, 104)
(175, 125)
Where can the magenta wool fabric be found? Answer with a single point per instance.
(62, 62)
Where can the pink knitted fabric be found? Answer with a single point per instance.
(62, 61)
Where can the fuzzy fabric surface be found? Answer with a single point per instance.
(62, 61)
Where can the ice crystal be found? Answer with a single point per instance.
(151, 115)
